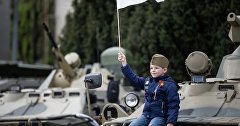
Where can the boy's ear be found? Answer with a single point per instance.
(165, 70)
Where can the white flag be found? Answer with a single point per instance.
(125, 3)
(159, 0)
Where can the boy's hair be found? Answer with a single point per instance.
(159, 60)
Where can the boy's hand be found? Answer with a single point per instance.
(122, 58)
(170, 124)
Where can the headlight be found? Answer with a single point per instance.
(131, 100)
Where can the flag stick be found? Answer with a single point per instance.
(119, 42)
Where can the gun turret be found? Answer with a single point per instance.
(229, 68)
(234, 32)
(67, 70)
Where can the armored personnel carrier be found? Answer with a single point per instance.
(62, 98)
(204, 101)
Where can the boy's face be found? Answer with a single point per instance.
(157, 71)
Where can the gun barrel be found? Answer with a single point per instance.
(233, 19)
(234, 33)
(67, 70)
(50, 36)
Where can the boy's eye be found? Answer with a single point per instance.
(154, 68)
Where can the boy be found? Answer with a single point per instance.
(161, 96)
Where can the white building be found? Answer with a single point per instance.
(62, 8)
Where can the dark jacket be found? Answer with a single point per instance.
(161, 96)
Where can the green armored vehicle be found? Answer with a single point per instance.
(109, 60)
(204, 101)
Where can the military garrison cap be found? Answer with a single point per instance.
(159, 60)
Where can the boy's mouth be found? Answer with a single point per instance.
(154, 74)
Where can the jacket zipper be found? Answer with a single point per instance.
(162, 107)
(155, 92)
